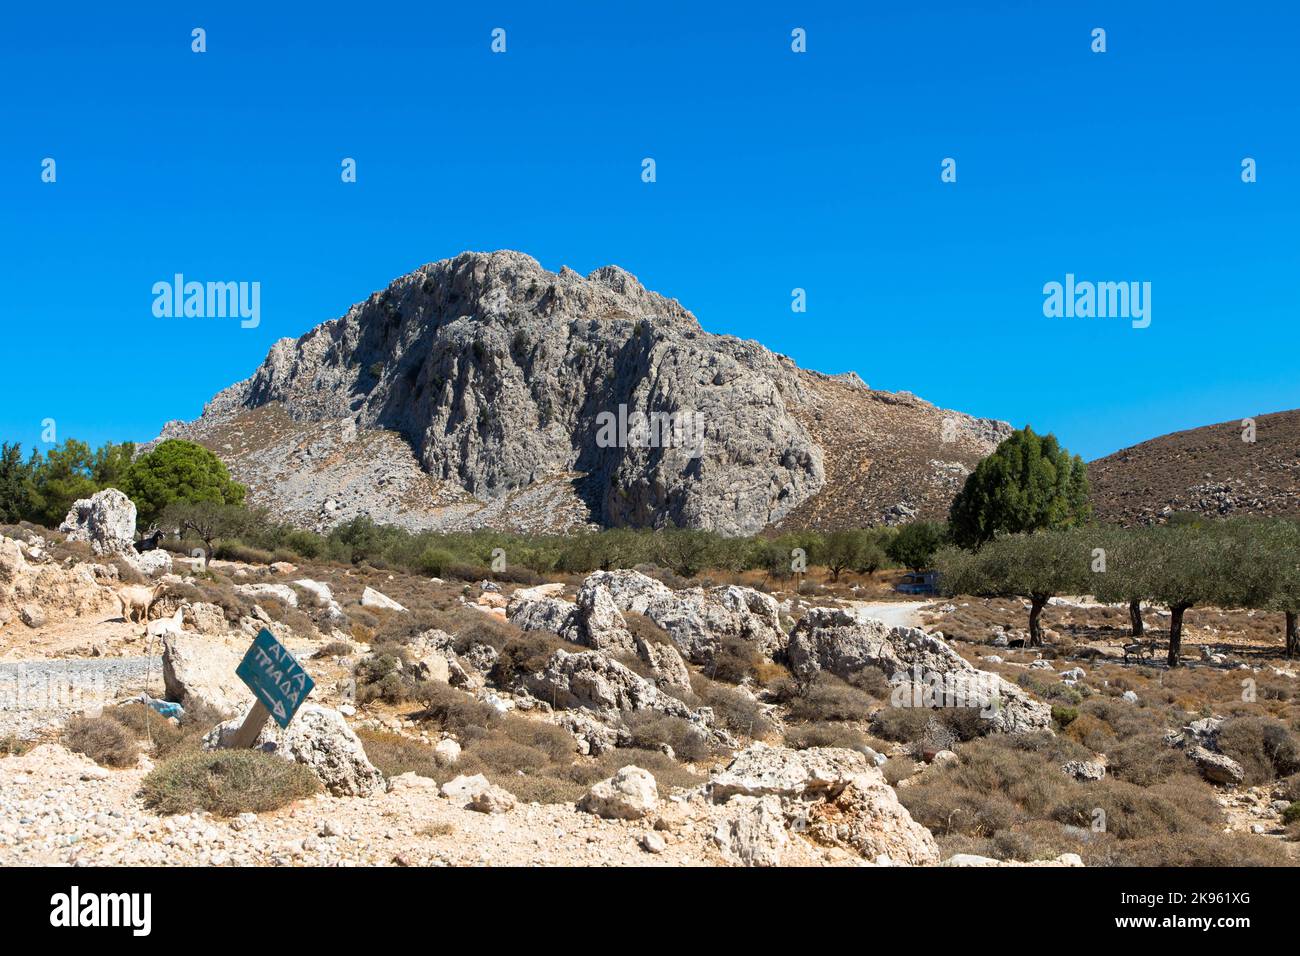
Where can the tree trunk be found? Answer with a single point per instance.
(1135, 617)
(1175, 632)
(1036, 603)
(1292, 635)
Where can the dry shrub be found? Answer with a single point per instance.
(226, 782)
(738, 711)
(1144, 760)
(394, 755)
(1007, 798)
(102, 739)
(910, 724)
(735, 661)
(826, 697)
(1265, 748)
(643, 627)
(897, 769)
(166, 738)
(334, 649)
(803, 736)
(651, 730)
(11, 745)
(526, 653)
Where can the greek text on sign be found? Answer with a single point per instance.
(275, 677)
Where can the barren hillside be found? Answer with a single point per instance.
(1209, 470)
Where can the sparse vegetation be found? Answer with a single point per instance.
(226, 782)
(102, 739)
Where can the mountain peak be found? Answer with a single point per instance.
(510, 395)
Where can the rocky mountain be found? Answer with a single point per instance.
(1213, 470)
(486, 391)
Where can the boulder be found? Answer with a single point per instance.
(461, 790)
(1084, 770)
(867, 818)
(204, 618)
(752, 832)
(412, 781)
(538, 592)
(541, 614)
(33, 615)
(280, 592)
(1216, 767)
(762, 770)
(373, 599)
(924, 670)
(150, 563)
(492, 800)
(593, 737)
(628, 795)
(592, 680)
(199, 673)
(597, 623)
(320, 595)
(320, 739)
(446, 751)
(106, 519)
(664, 662)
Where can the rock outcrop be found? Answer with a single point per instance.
(106, 519)
(924, 670)
(698, 620)
(199, 673)
(38, 591)
(833, 796)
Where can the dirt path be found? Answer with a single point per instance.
(892, 613)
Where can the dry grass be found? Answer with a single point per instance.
(1007, 798)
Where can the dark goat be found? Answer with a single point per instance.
(149, 542)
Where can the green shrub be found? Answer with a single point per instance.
(226, 782)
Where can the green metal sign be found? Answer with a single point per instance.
(275, 677)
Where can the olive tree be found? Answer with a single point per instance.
(1187, 565)
(1120, 573)
(1036, 566)
(1273, 560)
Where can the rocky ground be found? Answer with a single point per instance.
(615, 720)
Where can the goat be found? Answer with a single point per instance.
(1016, 642)
(136, 598)
(150, 542)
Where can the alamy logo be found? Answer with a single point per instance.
(73, 909)
(208, 300)
(637, 429)
(1101, 300)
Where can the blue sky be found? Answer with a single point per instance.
(775, 170)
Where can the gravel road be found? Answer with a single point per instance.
(35, 694)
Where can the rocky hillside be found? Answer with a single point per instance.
(479, 391)
(1208, 470)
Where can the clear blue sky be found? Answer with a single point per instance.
(775, 171)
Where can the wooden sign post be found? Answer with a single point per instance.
(251, 728)
(279, 683)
